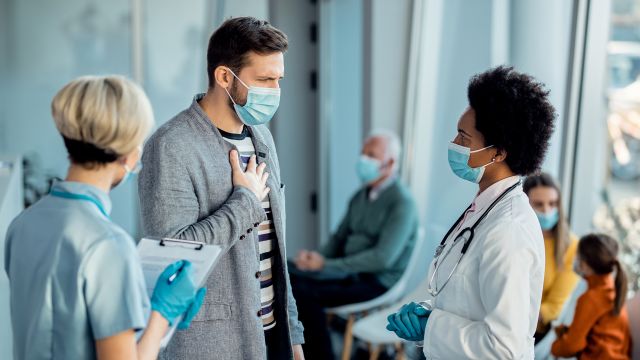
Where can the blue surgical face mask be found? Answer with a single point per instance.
(576, 267)
(548, 220)
(262, 104)
(130, 173)
(368, 169)
(459, 163)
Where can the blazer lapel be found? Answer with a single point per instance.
(277, 207)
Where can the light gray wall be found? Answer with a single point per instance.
(5, 21)
(175, 61)
(48, 45)
(540, 44)
(341, 79)
(465, 50)
(390, 29)
(592, 141)
(295, 128)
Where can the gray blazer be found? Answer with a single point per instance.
(186, 192)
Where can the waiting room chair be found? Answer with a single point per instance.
(372, 328)
(416, 270)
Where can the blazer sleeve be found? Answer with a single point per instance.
(295, 326)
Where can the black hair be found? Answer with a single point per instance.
(88, 155)
(236, 37)
(514, 114)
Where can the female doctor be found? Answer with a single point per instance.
(485, 281)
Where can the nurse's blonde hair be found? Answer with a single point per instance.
(102, 118)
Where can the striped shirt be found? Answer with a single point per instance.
(266, 233)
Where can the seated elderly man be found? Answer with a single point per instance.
(369, 251)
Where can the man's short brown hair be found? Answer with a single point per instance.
(236, 37)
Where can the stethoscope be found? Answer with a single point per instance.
(467, 235)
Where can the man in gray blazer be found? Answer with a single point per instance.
(211, 174)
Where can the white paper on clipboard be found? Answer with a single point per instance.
(157, 254)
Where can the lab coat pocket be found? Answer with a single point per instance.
(213, 311)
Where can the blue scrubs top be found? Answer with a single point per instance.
(75, 277)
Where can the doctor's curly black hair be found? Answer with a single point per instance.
(514, 114)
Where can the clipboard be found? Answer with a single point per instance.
(156, 254)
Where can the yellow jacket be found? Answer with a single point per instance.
(558, 283)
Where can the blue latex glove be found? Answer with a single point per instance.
(410, 322)
(193, 309)
(172, 296)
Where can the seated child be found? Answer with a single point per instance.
(600, 327)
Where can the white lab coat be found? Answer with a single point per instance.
(489, 309)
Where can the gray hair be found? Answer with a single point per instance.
(393, 148)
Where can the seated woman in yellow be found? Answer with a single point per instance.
(560, 248)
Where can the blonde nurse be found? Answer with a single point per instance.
(77, 289)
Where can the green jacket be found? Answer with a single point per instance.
(376, 236)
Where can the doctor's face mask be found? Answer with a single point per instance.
(459, 163)
(459, 151)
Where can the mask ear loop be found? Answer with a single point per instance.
(493, 161)
(137, 167)
(484, 148)
(236, 76)
(242, 82)
(230, 97)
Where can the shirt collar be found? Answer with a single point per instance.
(259, 141)
(87, 190)
(197, 98)
(485, 198)
(600, 281)
(374, 192)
